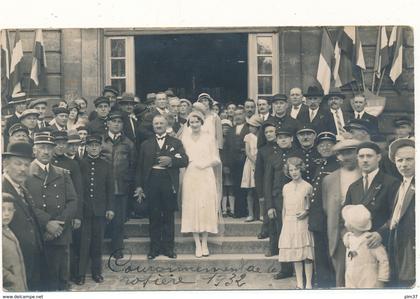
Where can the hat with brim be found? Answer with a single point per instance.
(139, 109)
(255, 121)
(150, 98)
(18, 98)
(100, 100)
(44, 138)
(197, 114)
(19, 149)
(110, 88)
(326, 136)
(306, 128)
(398, 143)
(60, 110)
(169, 93)
(74, 139)
(18, 127)
(346, 144)
(278, 97)
(284, 130)
(114, 115)
(93, 138)
(358, 216)
(185, 101)
(358, 124)
(7, 197)
(28, 112)
(334, 92)
(203, 96)
(127, 98)
(314, 91)
(60, 135)
(35, 102)
(403, 121)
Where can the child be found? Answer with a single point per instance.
(248, 181)
(296, 242)
(227, 179)
(365, 267)
(14, 273)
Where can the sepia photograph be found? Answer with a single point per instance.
(208, 158)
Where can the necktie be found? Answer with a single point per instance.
(20, 191)
(312, 116)
(397, 213)
(340, 129)
(46, 174)
(358, 116)
(365, 183)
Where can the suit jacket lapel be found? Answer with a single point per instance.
(409, 195)
(36, 171)
(374, 187)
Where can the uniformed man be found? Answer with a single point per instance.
(19, 102)
(326, 164)
(98, 204)
(41, 106)
(18, 133)
(119, 151)
(29, 118)
(73, 144)
(109, 92)
(61, 116)
(359, 129)
(61, 160)
(275, 179)
(56, 202)
(306, 136)
(403, 127)
(99, 124)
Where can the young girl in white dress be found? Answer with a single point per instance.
(248, 181)
(200, 200)
(296, 242)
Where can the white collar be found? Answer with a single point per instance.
(371, 175)
(359, 113)
(18, 114)
(297, 108)
(113, 136)
(42, 166)
(334, 110)
(161, 136)
(59, 127)
(314, 110)
(408, 180)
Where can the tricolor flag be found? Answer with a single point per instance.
(395, 42)
(39, 60)
(16, 65)
(381, 54)
(5, 65)
(348, 52)
(326, 58)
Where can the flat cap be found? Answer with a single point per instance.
(370, 145)
(359, 124)
(29, 112)
(35, 102)
(60, 110)
(18, 127)
(185, 101)
(278, 97)
(403, 120)
(60, 135)
(100, 100)
(398, 143)
(115, 114)
(110, 88)
(335, 92)
(346, 144)
(74, 138)
(93, 138)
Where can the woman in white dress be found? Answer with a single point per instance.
(200, 199)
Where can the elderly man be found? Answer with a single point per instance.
(25, 225)
(56, 202)
(174, 109)
(401, 244)
(298, 110)
(306, 136)
(60, 120)
(326, 164)
(160, 107)
(335, 117)
(316, 115)
(359, 106)
(18, 133)
(333, 192)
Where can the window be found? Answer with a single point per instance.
(120, 63)
(263, 69)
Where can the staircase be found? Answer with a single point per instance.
(236, 262)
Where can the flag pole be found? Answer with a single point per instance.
(363, 79)
(380, 82)
(30, 70)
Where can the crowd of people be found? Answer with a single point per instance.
(335, 200)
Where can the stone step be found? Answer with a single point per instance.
(185, 245)
(189, 263)
(232, 227)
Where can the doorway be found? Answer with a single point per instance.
(190, 64)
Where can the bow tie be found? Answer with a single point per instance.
(161, 138)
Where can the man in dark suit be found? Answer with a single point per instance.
(359, 105)
(81, 150)
(25, 225)
(98, 206)
(99, 124)
(335, 118)
(375, 190)
(126, 103)
(401, 244)
(174, 105)
(317, 222)
(19, 103)
(298, 110)
(316, 115)
(55, 200)
(160, 107)
(157, 180)
(61, 116)
(235, 150)
(41, 106)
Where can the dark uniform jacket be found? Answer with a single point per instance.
(55, 128)
(317, 219)
(285, 121)
(97, 126)
(303, 115)
(56, 199)
(121, 155)
(263, 155)
(235, 146)
(27, 229)
(10, 121)
(379, 200)
(309, 157)
(98, 193)
(74, 168)
(275, 178)
(149, 152)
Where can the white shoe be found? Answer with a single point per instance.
(198, 252)
(205, 251)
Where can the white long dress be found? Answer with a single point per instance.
(199, 193)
